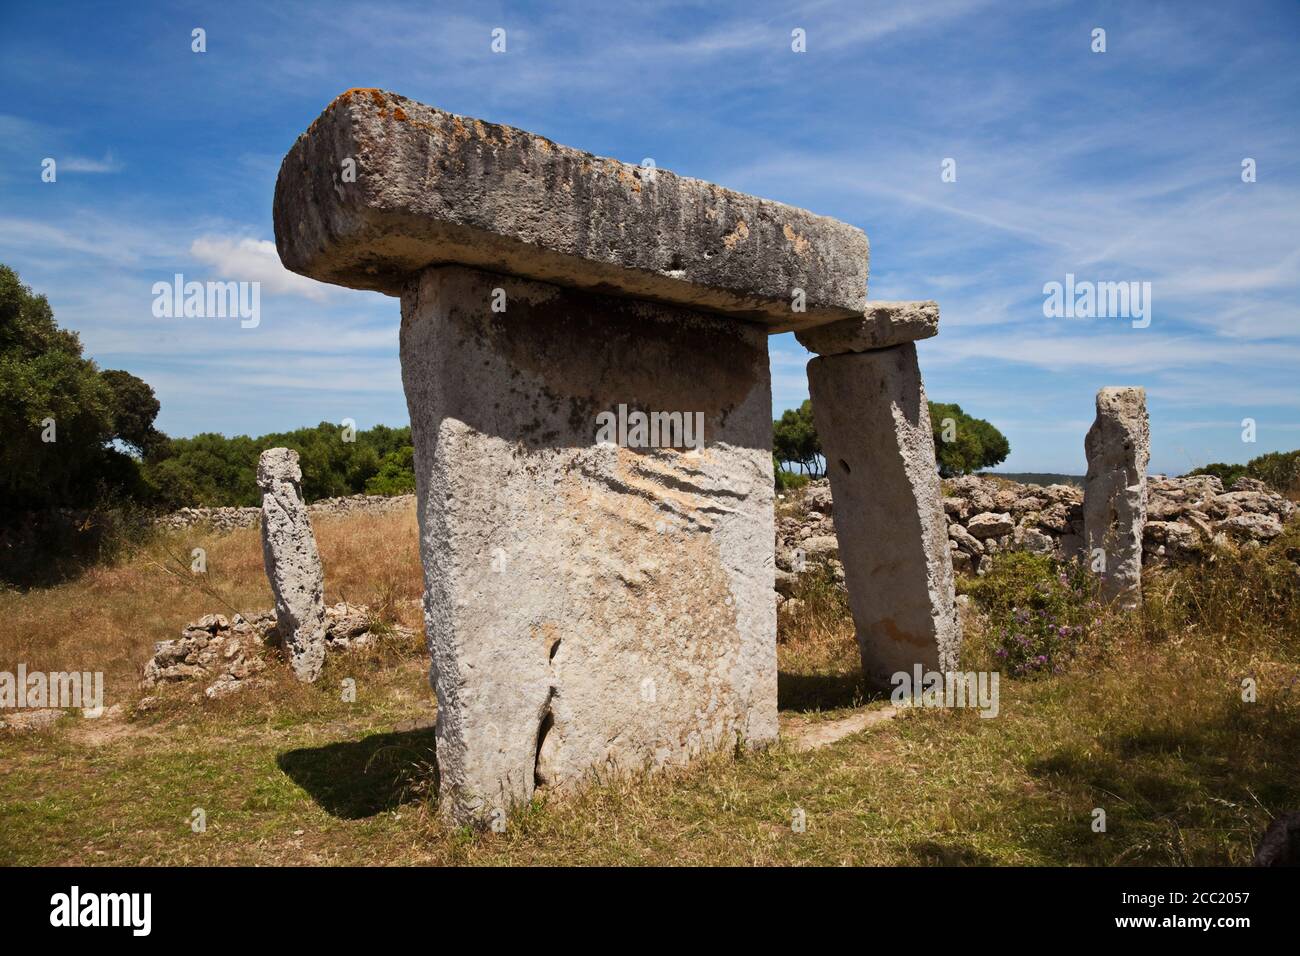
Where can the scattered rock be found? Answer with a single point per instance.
(1249, 484)
(230, 519)
(25, 721)
(965, 540)
(228, 654)
(1186, 519)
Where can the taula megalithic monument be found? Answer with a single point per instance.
(584, 356)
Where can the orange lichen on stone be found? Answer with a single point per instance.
(800, 243)
(377, 95)
(399, 114)
(739, 234)
(626, 175)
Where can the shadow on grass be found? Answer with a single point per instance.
(356, 779)
(803, 693)
(929, 853)
(1189, 793)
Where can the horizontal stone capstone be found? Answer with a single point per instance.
(881, 325)
(381, 187)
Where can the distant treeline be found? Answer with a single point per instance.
(83, 438)
(213, 470)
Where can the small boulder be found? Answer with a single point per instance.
(988, 524)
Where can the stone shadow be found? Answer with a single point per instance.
(932, 853)
(360, 778)
(803, 693)
(1227, 774)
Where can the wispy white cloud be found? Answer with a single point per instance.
(255, 260)
(79, 164)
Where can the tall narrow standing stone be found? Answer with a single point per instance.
(292, 562)
(1118, 446)
(874, 424)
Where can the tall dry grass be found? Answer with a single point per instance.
(109, 618)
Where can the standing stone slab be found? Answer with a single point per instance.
(588, 606)
(874, 424)
(292, 562)
(381, 187)
(1118, 446)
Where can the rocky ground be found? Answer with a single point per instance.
(1186, 519)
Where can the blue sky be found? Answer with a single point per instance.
(1115, 166)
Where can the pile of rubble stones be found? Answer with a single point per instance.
(1186, 519)
(226, 654)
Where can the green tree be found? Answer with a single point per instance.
(60, 416)
(213, 470)
(396, 475)
(795, 441)
(963, 444)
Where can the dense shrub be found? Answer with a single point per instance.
(1251, 594)
(1279, 470)
(1039, 611)
(788, 480)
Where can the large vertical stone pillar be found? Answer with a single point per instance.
(292, 562)
(590, 605)
(874, 424)
(1118, 446)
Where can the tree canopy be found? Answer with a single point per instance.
(795, 441)
(62, 417)
(962, 444)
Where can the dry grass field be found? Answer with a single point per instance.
(1144, 718)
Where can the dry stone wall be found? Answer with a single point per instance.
(231, 519)
(1186, 517)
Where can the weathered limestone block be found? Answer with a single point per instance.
(432, 187)
(292, 562)
(988, 524)
(881, 325)
(874, 423)
(1118, 446)
(589, 606)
